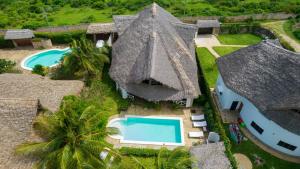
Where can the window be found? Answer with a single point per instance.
(286, 145)
(257, 128)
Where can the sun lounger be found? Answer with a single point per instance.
(103, 155)
(197, 117)
(197, 134)
(200, 124)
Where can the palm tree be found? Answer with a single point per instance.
(73, 137)
(85, 60)
(179, 158)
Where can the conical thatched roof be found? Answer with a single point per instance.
(155, 45)
(268, 76)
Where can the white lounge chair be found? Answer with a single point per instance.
(197, 117)
(103, 154)
(197, 134)
(200, 124)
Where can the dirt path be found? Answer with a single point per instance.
(277, 27)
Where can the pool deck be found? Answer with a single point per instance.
(185, 114)
(18, 54)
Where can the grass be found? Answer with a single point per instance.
(249, 149)
(225, 50)
(288, 29)
(209, 66)
(148, 162)
(239, 39)
(72, 16)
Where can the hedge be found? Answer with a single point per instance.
(60, 37)
(212, 117)
(5, 43)
(139, 152)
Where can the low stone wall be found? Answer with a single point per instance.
(44, 43)
(241, 18)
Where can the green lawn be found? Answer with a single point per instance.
(287, 27)
(148, 162)
(239, 39)
(209, 66)
(249, 149)
(224, 50)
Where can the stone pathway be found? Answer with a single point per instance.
(210, 41)
(243, 161)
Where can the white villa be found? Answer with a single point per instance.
(262, 83)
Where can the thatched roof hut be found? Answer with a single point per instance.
(96, 28)
(208, 26)
(20, 37)
(48, 92)
(155, 46)
(269, 77)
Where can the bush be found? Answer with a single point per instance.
(139, 152)
(60, 37)
(6, 66)
(297, 34)
(40, 70)
(5, 43)
(33, 25)
(88, 19)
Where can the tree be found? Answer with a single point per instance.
(73, 137)
(85, 60)
(179, 158)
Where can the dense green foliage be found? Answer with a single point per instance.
(224, 50)
(139, 152)
(238, 39)
(84, 61)
(5, 43)
(60, 37)
(36, 13)
(297, 34)
(7, 66)
(73, 137)
(40, 70)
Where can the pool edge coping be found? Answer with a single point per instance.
(26, 58)
(121, 138)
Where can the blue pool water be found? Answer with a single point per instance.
(149, 129)
(47, 58)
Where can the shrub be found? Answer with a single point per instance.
(297, 34)
(40, 70)
(61, 37)
(5, 43)
(140, 152)
(33, 24)
(6, 66)
(99, 5)
(88, 19)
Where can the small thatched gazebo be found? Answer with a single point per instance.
(20, 37)
(208, 26)
(102, 31)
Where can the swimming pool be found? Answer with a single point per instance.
(47, 58)
(149, 130)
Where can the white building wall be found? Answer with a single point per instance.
(272, 133)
